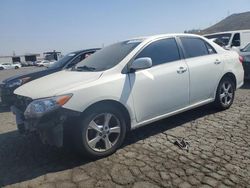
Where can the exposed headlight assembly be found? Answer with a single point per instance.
(40, 107)
(18, 82)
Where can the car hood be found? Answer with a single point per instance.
(56, 83)
(30, 74)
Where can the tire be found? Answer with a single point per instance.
(96, 141)
(225, 94)
(16, 67)
(1, 68)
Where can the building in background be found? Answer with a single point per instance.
(19, 58)
(52, 56)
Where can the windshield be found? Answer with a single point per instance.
(63, 61)
(224, 38)
(108, 57)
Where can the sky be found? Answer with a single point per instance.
(32, 26)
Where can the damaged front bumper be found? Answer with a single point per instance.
(50, 126)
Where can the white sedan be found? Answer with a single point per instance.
(45, 63)
(127, 85)
(42, 63)
(10, 66)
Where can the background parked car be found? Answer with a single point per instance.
(24, 64)
(30, 63)
(42, 63)
(17, 65)
(2, 67)
(10, 66)
(245, 54)
(68, 61)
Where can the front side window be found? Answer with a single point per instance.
(194, 47)
(161, 51)
(210, 49)
(64, 60)
(79, 58)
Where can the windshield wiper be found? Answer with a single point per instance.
(85, 68)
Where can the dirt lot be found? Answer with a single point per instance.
(219, 155)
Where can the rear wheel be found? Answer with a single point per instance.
(16, 67)
(101, 132)
(225, 94)
(1, 68)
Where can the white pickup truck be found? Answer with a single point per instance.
(237, 39)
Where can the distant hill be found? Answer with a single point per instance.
(233, 22)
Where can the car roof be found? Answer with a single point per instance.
(152, 37)
(85, 50)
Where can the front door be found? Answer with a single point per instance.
(164, 87)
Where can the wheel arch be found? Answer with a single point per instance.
(116, 104)
(231, 76)
(226, 75)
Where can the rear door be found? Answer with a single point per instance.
(164, 87)
(205, 68)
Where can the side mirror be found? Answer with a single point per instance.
(141, 63)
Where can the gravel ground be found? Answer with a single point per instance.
(219, 155)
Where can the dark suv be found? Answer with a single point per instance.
(8, 86)
(245, 54)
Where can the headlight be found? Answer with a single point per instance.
(18, 82)
(39, 107)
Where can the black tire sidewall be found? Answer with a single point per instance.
(82, 145)
(218, 103)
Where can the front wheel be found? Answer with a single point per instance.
(225, 94)
(101, 132)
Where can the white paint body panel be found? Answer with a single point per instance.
(159, 90)
(150, 94)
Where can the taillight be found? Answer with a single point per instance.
(241, 59)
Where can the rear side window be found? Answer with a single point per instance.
(194, 47)
(210, 49)
(161, 51)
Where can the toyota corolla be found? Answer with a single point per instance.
(127, 85)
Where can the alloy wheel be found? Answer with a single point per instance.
(226, 93)
(103, 132)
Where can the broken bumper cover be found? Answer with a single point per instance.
(50, 126)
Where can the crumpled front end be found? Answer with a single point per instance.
(50, 126)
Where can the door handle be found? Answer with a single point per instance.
(217, 62)
(181, 70)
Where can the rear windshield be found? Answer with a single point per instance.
(107, 57)
(224, 38)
